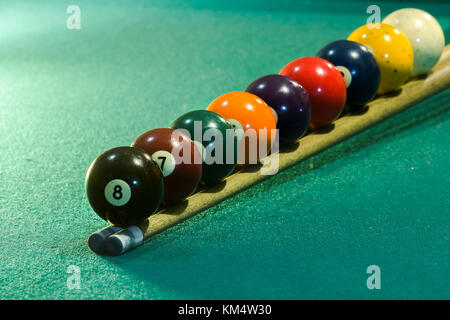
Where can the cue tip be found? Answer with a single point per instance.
(124, 240)
(97, 239)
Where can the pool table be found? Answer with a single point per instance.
(311, 232)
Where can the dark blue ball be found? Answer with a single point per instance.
(289, 100)
(359, 68)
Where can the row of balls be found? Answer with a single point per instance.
(127, 184)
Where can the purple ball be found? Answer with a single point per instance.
(290, 102)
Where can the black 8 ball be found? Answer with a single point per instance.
(124, 186)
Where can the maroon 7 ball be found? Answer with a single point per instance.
(182, 171)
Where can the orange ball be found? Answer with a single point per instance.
(245, 111)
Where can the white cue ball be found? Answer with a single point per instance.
(424, 33)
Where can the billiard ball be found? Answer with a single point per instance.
(290, 102)
(215, 137)
(124, 186)
(358, 67)
(178, 158)
(253, 120)
(324, 85)
(424, 33)
(391, 49)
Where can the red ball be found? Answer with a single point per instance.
(178, 158)
(324, 84)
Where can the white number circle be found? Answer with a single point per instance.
(370, 49)
(346, 74)
(117, 192)
(238, 130)
(165, 161)
(275, 114)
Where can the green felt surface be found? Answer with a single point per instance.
(67, 95)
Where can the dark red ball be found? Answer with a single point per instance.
(179, 159)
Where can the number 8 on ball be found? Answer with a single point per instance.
(124, 186)
(117, 192)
